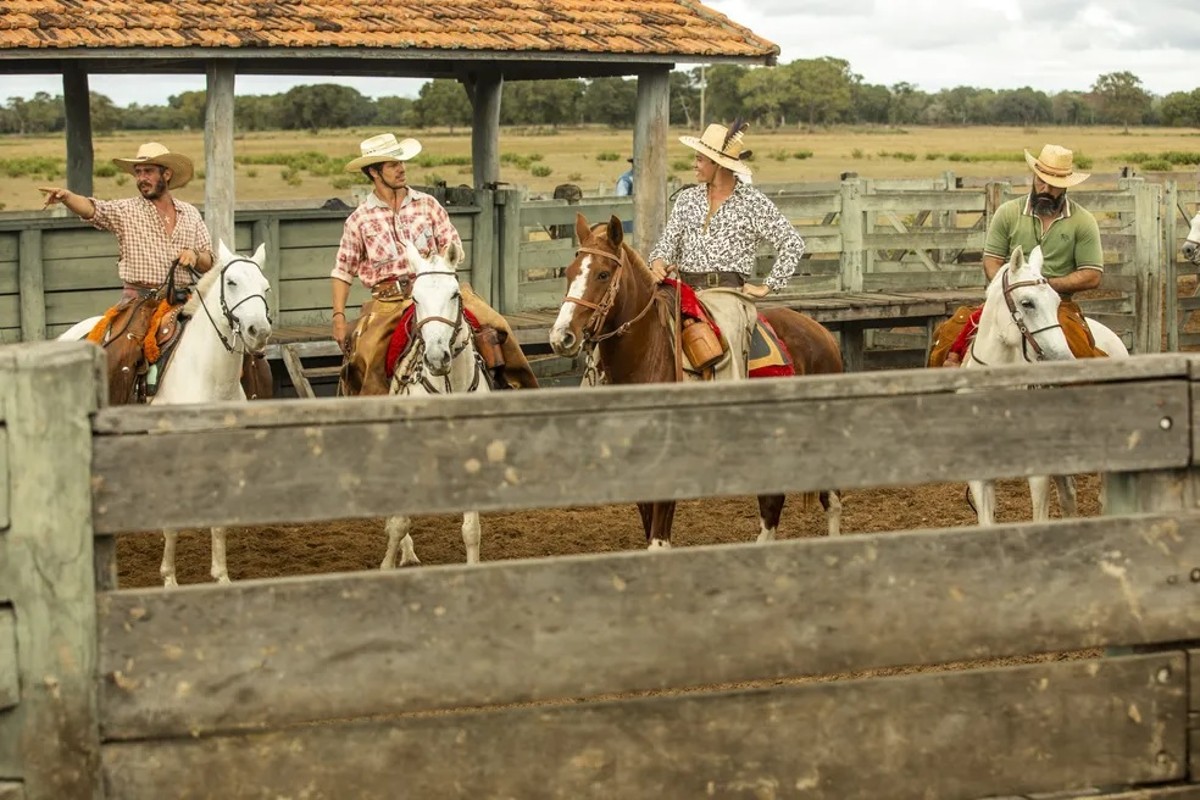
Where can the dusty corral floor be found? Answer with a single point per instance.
(281, 550)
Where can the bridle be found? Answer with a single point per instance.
(227, 312)
(417, 374)
(1028, 337)
(1195, 259)
(600, 311)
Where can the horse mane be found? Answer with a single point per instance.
(664, 300)
(202, 286)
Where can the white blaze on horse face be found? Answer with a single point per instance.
(566, 313)
(245, 291)
(435, 295)
(1191, 248)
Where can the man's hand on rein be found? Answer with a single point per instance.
(754, 290)
(660, 270)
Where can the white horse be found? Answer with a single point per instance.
(1019, 324)
(229, 317)
(441, 360)
(1191, 248)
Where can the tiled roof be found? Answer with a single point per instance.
(672, 28)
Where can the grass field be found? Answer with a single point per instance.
(593, 157)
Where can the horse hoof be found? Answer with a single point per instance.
(223, 579)
(658, 544)
(169, 582)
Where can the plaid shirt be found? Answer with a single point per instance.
(146, 250)
(729, 240)
(373, 239)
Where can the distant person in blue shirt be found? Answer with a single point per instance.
(625, 182)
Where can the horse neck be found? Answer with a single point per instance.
(988, 347)
(645, 352)
(202, 369)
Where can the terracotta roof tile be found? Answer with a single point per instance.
(673, 28)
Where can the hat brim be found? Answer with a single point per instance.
(717, 156)
(1062, 182)
(405, 150)
(180, 166)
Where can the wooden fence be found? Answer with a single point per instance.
(734, 671)
(914, 241)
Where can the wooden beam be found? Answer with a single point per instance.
(10, 682)
(485, 95)
(219, 195)
(1027, 729)
(764, 613)
(504, 452)
(31, 284)
(77, 105)
(650, 157)
(50, 389)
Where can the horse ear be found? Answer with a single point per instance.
(616, 231)
(260, 255)
(1017, 259)
(453, 254)
(223, 254)
(582, 230)
(1036, 260)
(412, 255)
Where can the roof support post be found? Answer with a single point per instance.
(650, 156)
(77, 103)
(484, 91)
(218, 153)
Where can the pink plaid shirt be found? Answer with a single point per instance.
(146, 250)
(373, 240)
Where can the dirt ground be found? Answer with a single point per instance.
(283, 550)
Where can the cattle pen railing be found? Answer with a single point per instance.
(729, 671)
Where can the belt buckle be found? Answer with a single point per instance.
(712, 280)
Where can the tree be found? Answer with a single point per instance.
(870, 102)
(819, 90)
(722, 95)
(612, 101)
(1024, 106)
(324, 105)
(1181, 109)
(1072, 108)
(188, 108)
(442, 102)
(395, 112)
(907, 104)
(764, 94)
(685, 98)
(1122, 97)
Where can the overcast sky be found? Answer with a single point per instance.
(1050, 45)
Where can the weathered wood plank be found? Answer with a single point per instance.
(295, 370)
(5, 475)
(926, 239)
(913, 201)
(50, 388)
(11, 790)
(476, 460)
(595, 625)
(550, 212)
(32, 287)
(1062, 725)
(10, 684)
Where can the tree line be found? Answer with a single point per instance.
(812, 92)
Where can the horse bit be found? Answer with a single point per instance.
(417, 373)
(234, 326)
(1028, 338)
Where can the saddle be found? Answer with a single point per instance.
(956, 334)
(488, 343)
(704, 346)
(124, 333)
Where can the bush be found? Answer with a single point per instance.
(341, 182)
(574, 177)
(540, 170)
(608, 156)
(802, 154)
(681, 165)
(1156, 165)
(1082, 161)
(108, 170)
(856, 153)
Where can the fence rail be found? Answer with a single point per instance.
(701, 672)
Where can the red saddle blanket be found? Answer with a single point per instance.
(769, 356)
(402, 337)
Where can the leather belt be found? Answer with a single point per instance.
(713, 280)
(393, 288)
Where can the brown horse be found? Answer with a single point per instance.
(610, 297)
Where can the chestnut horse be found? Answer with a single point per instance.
(610, 293)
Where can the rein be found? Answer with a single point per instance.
(1028, 337)
(591, 333)
(417, 372)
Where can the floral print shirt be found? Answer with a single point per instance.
(372, 246)
(728, 242)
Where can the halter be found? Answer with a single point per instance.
(591, 332)
(1028, 338)
(1195, 259)
(226, 311)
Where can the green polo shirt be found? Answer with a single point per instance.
(1071, 242)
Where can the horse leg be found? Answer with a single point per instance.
(471, 535)
(1068, 500)
(167, 569)
(646, 512)
(398, 536)
(218, 571)
(770, 508)
(983, 496)
(1039, 497)
(661, 517)
(831, 501)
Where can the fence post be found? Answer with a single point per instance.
(47, 586)
(265, 231)
(511, 235)
(1170, 266)
(1147, 262)
(483, 247)
(31, 285)
(851, 222)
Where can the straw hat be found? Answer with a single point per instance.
(383, 148)
(723, 145)
(155, 153)
(1056, 166)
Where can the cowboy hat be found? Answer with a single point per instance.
(1056, 166)
(382, 148)
(155, 153)
(723, 145)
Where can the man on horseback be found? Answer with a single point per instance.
(372, 249)
(715, 228)
(154, 231)
(1070, 242)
